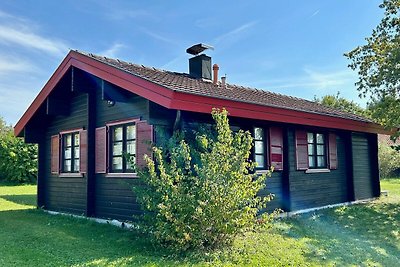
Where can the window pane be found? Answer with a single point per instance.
(260, 161)
(321, 161)
(320, 150)
(68, 141)
(117, 149)
(311, 163)
(67, 165)
(310, 138)
(320, 138)
(131, 147)
(310, 149)
(258, 133)
(76, 152)
(117, 163)
(76, 165)
(76, 139)
(131, 163)
(131, 132)
(67, 153)
(259, 147)
(117, 134)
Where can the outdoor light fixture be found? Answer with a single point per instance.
(110, 103)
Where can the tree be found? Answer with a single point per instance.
(201, 193)
(18, 161)
(378, 65)
(341, 103)
(389, 161)
(4, 128)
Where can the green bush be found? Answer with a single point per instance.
(202, 193)
(18, 161)
(389, 160)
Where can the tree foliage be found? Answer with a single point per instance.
(378, 65)
(18, 161)
(341, 103)
(201, 193)
(389, 160)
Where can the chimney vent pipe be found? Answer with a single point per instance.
(223, 81)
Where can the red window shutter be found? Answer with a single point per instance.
(55, 154)
(332, 152)
(144, 140)
(83, 151)
(101, 150)
(301, 150)
(276, 147)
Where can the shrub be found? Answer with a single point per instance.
(18, 161)
(201, 193)
(389, 160)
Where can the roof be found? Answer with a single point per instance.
(183, 82)
(182, 92)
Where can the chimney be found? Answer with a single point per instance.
(215, 76)
(200, 64)
(223, 81)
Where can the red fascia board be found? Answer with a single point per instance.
(121, 78)
(184, 101)
(136, 85)
(205, 104)
(43, 94)
(139, 86)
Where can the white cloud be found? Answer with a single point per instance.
(314, 14)
(113, 50)
(19, 31)
(312, 79)
(9, 64)
(21, 76)
(158, 36)
(13, 36)
(15, 97)
(234, 34)
(313, 83)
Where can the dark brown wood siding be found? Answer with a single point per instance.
(274, 184)
(114, 196)
(362, 166)
(65, 194)
(308, 190)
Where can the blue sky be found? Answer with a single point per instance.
(290, 47)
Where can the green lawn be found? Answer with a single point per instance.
(358, 235)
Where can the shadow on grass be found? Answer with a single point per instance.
(360, 234)
(9, 183)
(29, 200)
(68, 241)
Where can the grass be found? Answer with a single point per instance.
(359, 235)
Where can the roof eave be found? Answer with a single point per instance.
(173, 99)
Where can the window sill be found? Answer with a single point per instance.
(70, 175)
(262, 171)
(317, 170)
(121, 175)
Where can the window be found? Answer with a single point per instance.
(259, 148)
(70, 152)
(316, 146)
(122, 147)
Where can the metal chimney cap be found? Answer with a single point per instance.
(198, 48)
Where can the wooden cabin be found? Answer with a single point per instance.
(95, 109)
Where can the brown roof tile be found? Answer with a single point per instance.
(182, 82)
